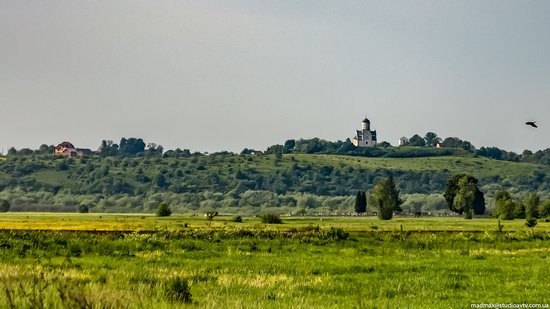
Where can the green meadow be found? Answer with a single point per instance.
(140, 261)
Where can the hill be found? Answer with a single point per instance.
(230, 181)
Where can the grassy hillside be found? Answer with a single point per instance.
(477, 166)
(226, 178)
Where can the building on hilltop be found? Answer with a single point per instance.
(403, 141)
(67, 149)
(365, 137)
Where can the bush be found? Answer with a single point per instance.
(164, 210)
(544, 209)
(531, 222)
(500, 227)
(178, 290)
(83, 209)
(4, 206)
(238, 219)
(271, 219)
(336, 234)
(210, 215)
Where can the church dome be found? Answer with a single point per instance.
(366, 120)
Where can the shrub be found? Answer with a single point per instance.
(164, 210)
(178, 290)
(4, 206)
(336, 234)
(83, 209)
(238, 219)
(544, 209)
(271, 219)
(500, 227)
(531, 222)
(210, 215)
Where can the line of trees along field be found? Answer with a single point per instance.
(303, 175)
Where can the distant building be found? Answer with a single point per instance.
(403, 141)
(365, 137)
(65, 149)
(68, 150)
(83, 152)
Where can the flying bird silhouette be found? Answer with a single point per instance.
(532, 123)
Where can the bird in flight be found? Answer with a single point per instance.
(532, 123)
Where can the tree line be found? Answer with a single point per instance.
(427, 146)
(417, 146)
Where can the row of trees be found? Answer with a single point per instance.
(462, 196)
(531, 207)
(432, 140)
(129, 147)
(316, 145)
(137, 147)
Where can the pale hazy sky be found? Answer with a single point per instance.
(224, 75)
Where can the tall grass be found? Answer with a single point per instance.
(260, 266)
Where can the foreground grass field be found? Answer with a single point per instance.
(304, 262)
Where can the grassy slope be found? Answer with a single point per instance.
(479, 167)
(426, 175)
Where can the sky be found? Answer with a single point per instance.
(225, 75)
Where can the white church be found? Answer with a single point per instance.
(365, 137)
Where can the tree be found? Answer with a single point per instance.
(164, 210)
(63, 165)
(452, 142)
(532, 204)
(364, 201)
(463, 196)
(490, 152)
(416, 140)
(385, 198)
(4, 206)
(289, 145)
(505, 205)
(154, 149)
(83, 209)
(108, 148)
(131, 146)
(44, 149)
(519, 210)
(384, 144)
(479, 202)
(432, 139)
(160, 181)
(361, 202)
(544, 209)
